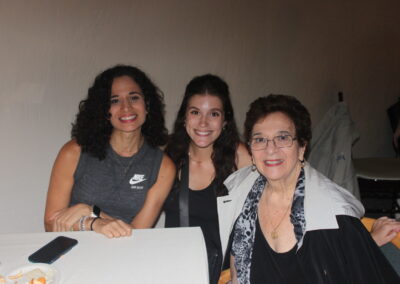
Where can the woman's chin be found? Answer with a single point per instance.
(202, 144)
(271, 173)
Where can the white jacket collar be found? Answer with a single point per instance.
(323, 200)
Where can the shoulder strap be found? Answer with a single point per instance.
(184, 195)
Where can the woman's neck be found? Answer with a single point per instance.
(126, 144)
(285, 187)
(199, 155)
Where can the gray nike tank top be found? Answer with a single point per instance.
(117, 185)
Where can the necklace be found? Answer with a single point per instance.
(125, 162)
(274, 233)
(122, 162)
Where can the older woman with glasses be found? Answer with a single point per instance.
(296, 226)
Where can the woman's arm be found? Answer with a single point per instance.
(156, 196)
(58, 216)
(243, 157)
(151, 208)
(233, 271)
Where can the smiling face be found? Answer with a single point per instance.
(204, 120)
(277, 164)
(127, 107)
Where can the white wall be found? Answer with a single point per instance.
(51, 50)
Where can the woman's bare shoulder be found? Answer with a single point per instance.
(70, 151)
(167, 164)
(243, 157)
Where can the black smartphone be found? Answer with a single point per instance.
(53, 250)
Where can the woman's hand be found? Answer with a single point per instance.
(112, 228)
(384, 230)
(65, 219)
(105, 216)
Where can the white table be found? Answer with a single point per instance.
(378, 168)
(384, 177)
(176, 255)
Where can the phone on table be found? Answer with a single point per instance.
(53, 250)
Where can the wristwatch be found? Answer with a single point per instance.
(95, 211)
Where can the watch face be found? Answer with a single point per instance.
(96, 211)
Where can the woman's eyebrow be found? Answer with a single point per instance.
(278, 133)
(135, 92)
(130, 93)
(283, 132)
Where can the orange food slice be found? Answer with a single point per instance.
(40, 280)
(15, 276)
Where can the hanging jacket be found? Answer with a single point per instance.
(331, 145)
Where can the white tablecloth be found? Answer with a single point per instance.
(378, 168)
(176, 255)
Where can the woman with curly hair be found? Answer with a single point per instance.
(205, 147)
(112, 177)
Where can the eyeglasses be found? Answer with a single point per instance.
(280, 141)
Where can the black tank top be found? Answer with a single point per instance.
(203, 213)
(268, 266)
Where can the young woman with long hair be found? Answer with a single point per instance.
(206, 149)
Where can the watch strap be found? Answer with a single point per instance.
(96, 211)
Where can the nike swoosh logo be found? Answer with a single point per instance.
(133, 181)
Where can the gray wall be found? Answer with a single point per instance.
(51, 50)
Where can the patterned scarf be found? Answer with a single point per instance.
(244, 230)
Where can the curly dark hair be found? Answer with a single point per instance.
(224, 148)
(288, 105)
(92, 128)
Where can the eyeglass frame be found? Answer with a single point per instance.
(266, 141)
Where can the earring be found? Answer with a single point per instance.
(253, 168)
(302, 163)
